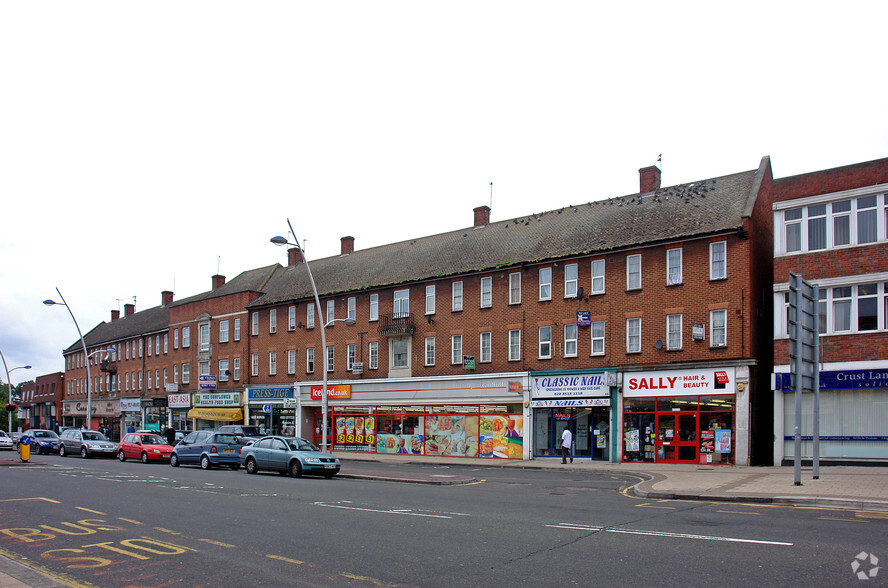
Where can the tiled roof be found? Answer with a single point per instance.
(253, 280)
(706, 207)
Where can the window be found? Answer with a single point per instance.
(430, 299)
(598, 276)
(175, 373)
(330, 358)
(867, 231)
(867, 307)
(673, 266)
(291, 360)
(149, 379)
(401, 303)
(310, 315)
(127, 346)
(254, 364)
(291, 318)
(186, 337)
(841, 215)
(400, 351)
(166, 344)
(485, 348)
(186, 374)
(817, 227)
(126, 385)
(183, 377)
(673, 331)
(272, 363)
(350, 356)
(792, 227)
(237, 368)
(570, 280)
(456, 296)
(157, 378)
(272, 320)
(223, 370)
(157, 345)
(570, 340)
(204, 368)
(141, 346)
(597, 331)
(718, 269)
(223, 332)
(374, 307)
(373, 352)
(255, 325)
(515, 288)
(486, 292)
(352, 307)
(841, 308)
(718, 328)
(455, 349)
(204, 336)
(633, 335)
(310, 360)
(165, 380)
(515, 345)
(149, 351)
(545, 283)
(820, 226)
(429, 351)
(331, 310)
(237, 329)
(545, 342)
(633, 272)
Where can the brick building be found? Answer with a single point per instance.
(831, 226)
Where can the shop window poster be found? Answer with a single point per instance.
(707, 441)
(502, 436)
(723, 441)
(632, 441)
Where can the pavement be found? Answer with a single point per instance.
(839, 487)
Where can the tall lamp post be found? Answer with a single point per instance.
(85, 358)
(9, 386)
(348, 321)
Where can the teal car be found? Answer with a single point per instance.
(288, 455)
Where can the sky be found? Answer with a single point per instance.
(146, 146)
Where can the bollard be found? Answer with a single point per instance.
(25, 448)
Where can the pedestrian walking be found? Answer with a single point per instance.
(566, 442)
(171, 435)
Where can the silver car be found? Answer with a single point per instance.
(5, 441)
(86, 443)
(293, 455)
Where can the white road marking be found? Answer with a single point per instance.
(394, 512)
(589, 528)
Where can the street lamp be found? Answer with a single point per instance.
(348, 321)
(85, 358)
(9, 386)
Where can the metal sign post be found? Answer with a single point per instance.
(804, 366)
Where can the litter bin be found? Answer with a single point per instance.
(25, 448)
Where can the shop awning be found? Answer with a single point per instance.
(216, 414)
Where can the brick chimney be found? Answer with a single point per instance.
(166, 297)
(649, 178)
(218, 281)
(129, 309)
(348, 245)
(294, 256)
(482, 216)
(115, 314)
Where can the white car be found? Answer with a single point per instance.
(5, 441)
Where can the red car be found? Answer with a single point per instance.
(144, 446)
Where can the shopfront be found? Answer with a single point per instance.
(683, 416)
(105, 413)
(212, 409)
(131, 409)
(178, 405)
(853, 417)
(154, 411)
(273, 410)
(579, 402)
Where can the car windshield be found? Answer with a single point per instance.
(226, 438)
(301, 445)
(47, 434)
(153, 440)
(93, 436)
(251, 431)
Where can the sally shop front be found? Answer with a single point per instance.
(684, 416)
(481, 416)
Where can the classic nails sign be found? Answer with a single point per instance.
(679, 382)
(578, 385)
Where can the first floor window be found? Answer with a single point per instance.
(255, 324)
(570, 340)
(515, 345)
(310, 315)
(456, 296)
(374, 307)
(330, 358)
(237, 368)
(272, 363)
(373, 352)
(545, 343)
(545, 283)
(254, 364)
(429, 351)
(223, 332)
(570, 280)
(291, 318)
(455, 349)
(400, 353)
(597, 338)
(310, 360)
(598, 276)
(237, 329)
(126, 382)
(186, 373)
(350, 356)
(515, 288)
(486, 292)
(718, 260)
(718, 328)
(673, 331)
(485, 348)
(291, 361)
(223, 370)
(175, 373)
(204, 368)
(149, 379)
(633, 335)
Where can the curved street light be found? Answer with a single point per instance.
(9, 386)
(85, 358)
(349, 321)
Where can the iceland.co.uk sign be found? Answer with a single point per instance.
(561, 386)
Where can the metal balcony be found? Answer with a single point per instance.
(396, 324)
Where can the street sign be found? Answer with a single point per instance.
(266, 408)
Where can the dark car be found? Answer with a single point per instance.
(293, 455)
(86, 444)
(246, 434)
(208, 448)
(42, 440)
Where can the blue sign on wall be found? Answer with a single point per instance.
(842, 380)
(269, 393)
(584, 319)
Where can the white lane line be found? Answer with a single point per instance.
(690, 536)
(394, 512)
(575, 527)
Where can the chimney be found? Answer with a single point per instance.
(348, 245)
(129, 309)
(294, 256)
(218, 281)
(115, 314)
(166, 297)
(649, 178)
(482, 216)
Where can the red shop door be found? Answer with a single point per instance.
(676, 437)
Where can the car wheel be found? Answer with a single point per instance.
(144, 457)
(62, 451)
(251, 466)
(205, 462)
(38, 449)
(296, 468)
(174, 460)
(121, 455)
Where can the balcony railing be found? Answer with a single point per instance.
(396, 324)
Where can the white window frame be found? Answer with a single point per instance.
(718, 327)
(486, 347)
(633, 335)
(486, 292)
(456, 296)
(515, 288)
(544, 347)
(309, 360)
(291, 361)
(166, 344)
(673, 266)
(223, 367)
(844, 213)
(272, 320)
(674, 332)
(545, 274)
(401, 303)
(374, 307)
(92, 359)
(186, 337)
(351, 307)
(186, 375)
(223, 331)
(597, 267)
(597, 334)
(718, 260)
(175, 374)
(236, 370)
(633, 275)
(394, 362)
(430, 299)
(203, 333)
(373, 353)
(349, 356)
(254, 329)
(331, 311)
(429, 351)
(237, 329)
(330, 359)
(456, 353)
(254, 364)
(570, 340)
(291, 318)
(272, 363)
(310, 315)
(515, 345)
(571, 273)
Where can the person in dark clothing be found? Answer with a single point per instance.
(171, 435)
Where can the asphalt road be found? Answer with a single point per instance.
(107, 523)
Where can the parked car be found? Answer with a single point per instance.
(246, 434)
(293, 455)
(5, 441)
(86, 443)
(144, 446)
(208, 448)
(42, 440)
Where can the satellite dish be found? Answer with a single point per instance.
(658, 344)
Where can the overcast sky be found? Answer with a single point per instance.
(144, 146)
